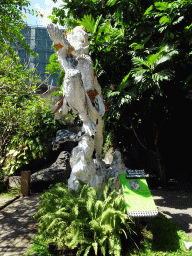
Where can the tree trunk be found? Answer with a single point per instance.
(161, 168)
(160, 162)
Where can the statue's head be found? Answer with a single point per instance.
(78, 37)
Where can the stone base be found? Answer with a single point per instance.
(113, 170)
(103, 174)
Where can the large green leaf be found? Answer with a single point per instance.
(178, 20)
(148, 10)
(162, 6)
(111, 94)
(111, 2)
(88, 22)
(137, 46)
(165, 19)
(153, 58)
(97, 23)
(125, 81)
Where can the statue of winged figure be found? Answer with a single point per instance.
(81, 94)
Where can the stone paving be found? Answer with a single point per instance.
(17, 226)
(176, 204)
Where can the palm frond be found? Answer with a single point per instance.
(106, 188)
(95, 247)
(140, 75)
(124, 83)
(107, 229)
(88, 22)
(87, 250)
(112, 94)
(111, 242)
(117, 246)
(83, 193)
(103, 249)
(95, 226)
(75, 210)
(97, 24)
(107, 216)
(151, 59)
(138, 72)
(81, 249)
(98, 208)
(160, 76)
(84, 221)
(140, 62)
(166, 57)
(111, 2)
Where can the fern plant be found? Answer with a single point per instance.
(83, 221)
(150, 71)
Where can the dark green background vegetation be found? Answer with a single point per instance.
(142, 55)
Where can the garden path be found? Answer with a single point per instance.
(175, 202)
(17, 225)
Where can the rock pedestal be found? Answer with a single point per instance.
(57, 172)
(113, 170)
(91, 172)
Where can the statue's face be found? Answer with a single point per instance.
(78, 38)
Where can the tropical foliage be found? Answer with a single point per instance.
(82, 220)
(27, 124)
(142, 55)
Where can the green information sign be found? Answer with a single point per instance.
(138, 197)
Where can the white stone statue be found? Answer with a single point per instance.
(82, 94)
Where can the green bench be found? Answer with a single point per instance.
(138, 198)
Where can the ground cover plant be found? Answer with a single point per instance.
(69, 218)
(83, 221)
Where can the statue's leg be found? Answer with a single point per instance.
(81, 162)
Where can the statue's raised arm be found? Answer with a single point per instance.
(57, 36)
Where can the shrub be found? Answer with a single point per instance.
(26, 122)
(35, 127)
(83, 221)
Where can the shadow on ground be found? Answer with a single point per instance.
(160, 233)
(176, 204)
(17, 226)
